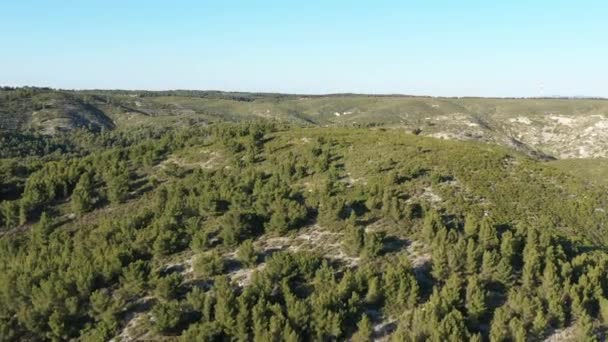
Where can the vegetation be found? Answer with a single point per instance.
(267, 230)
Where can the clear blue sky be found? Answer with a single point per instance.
(484, 48)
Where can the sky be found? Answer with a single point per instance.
(426, 47)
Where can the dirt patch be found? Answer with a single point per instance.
(311, 238)
(562, 335)
(134, 318)
(419, 254)
(211, 162)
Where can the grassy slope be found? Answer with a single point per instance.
(594, 171)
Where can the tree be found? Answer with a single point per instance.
(118, 188)
(507, 246)
(167, 316)
(451, 328)
(225, 304)
(440, 269)
(585, 329)
(374, 291)
(134, 278)
(208, 265)
(200, 241)
(471, 226)
(550, 281)
(499, 330)
(43, 228)
(603, 303)
(243, 320)
(531, 268)
(235, 227)
(539, 325)
(374, 242)
(518, 331)
(10, 213)
(504, 272)
(354, 240)
(167, 287)
(246, 254)
(488, 264)
(82, 197)
(364, 330)
(472, 257)
(487, 234)
(432, 224)
(475, 299)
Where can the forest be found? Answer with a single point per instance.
(265, 230)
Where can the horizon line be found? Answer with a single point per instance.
(273, 93)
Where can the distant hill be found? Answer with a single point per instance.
(544, 128)
(50, 112)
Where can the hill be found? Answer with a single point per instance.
(542, 128)
(284, 230)
(50, 112)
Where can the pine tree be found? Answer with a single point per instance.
(298, 311)
(499, 330)
(373, 244)
(208, 265)
(471, 226)
(10, 213)
(354, 239)
(487, 234)
(531, 268)
(556, 309)
(82, 196)
(289, 334)
(118, 188)
(539, 325)
(550, 282)
(167, 287)
(246, 254)
(167, 316)
(504, 272)
(507, 246)
(603, 303)
(42, 230)
(432, 224)
(395, 210)
(518, 331)
(364, 330)
(374, 291)
(473, 256)
(457, 256)
(243, 321)
(24, 208)
(475, 299)
(451, 328)
(488, 264)
(225, 304)
(440, 269)
(585, 329)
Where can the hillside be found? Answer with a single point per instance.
(266, 230)
(50, 112)
(542, 128)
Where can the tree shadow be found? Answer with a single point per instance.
(393, 244)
